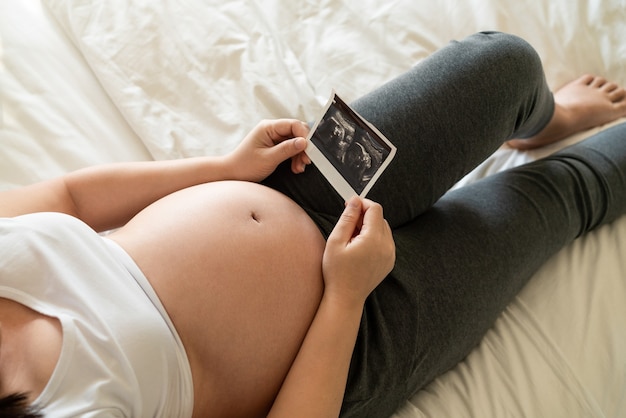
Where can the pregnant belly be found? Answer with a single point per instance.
(238, 268)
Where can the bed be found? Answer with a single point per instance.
(85, 82)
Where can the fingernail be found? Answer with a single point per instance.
(299, 143)
(354, 202)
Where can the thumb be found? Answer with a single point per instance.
(348, 222)
(288, 149)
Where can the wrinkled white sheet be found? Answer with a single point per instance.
(54, 115)
(114, 80)
(192, 77)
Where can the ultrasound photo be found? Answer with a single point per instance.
(357, 151)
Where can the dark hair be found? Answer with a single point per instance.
(16, 405)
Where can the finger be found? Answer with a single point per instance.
(301, 129)
(296, 166)
(367, 203)
(375, 224)
(372, 213)
(299, 163)
(281, 129)
(287, 149)
(348, 222)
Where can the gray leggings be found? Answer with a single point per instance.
(461, 255)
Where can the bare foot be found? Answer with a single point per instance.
(581, 104)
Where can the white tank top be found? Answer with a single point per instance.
(121, 356)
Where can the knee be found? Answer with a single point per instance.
(513, 45)
(508, 54)
(502, 61)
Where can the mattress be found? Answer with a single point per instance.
(85, 82)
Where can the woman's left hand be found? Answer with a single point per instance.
(267, 145)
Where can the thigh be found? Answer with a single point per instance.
(462, 261)
(445, 115)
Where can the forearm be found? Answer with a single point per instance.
(107, 196)
(316, 382)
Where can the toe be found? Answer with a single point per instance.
(618, 95)
(598, 82)
(586, 79)
(609, 87)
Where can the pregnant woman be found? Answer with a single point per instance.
(244, 286)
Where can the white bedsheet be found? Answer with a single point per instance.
(54, 115)
(86, 81)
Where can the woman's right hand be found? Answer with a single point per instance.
(359, 253)
(266, 146)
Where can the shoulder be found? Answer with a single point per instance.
(35, 247)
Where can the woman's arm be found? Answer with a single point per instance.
(359, 253)
(108, 196)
